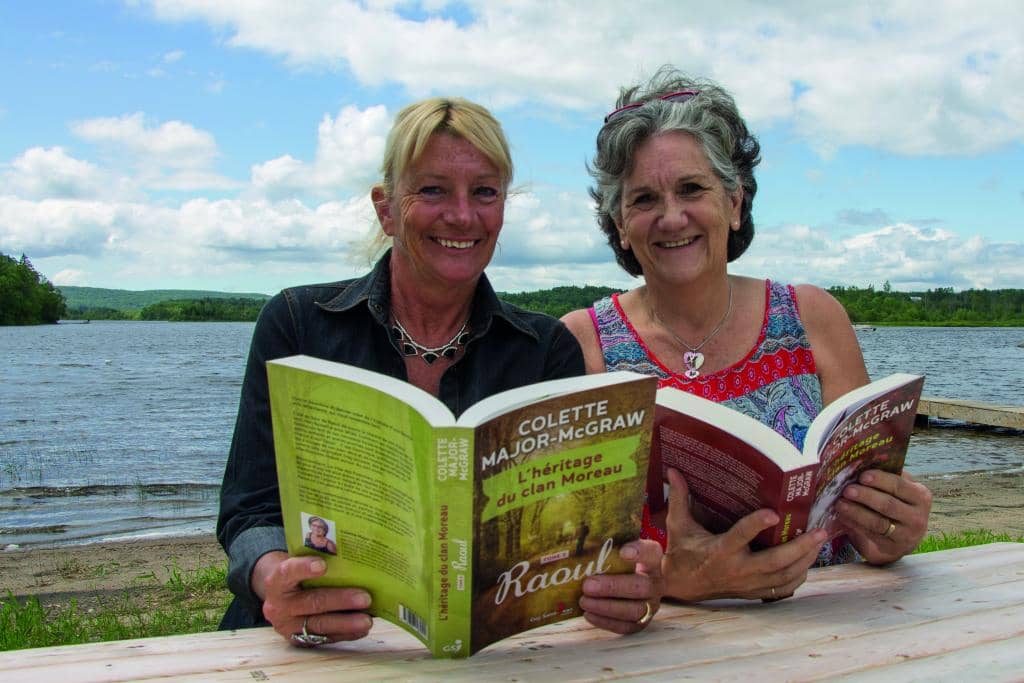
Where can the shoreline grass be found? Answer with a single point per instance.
(193, 602)
(189, 601)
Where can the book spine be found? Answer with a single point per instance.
(451, 604)
(795, 498)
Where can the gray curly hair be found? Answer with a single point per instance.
(710, 117)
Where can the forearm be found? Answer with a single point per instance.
(249, 557)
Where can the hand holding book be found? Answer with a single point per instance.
(708, 566)
(611, 601)
(333, 613)
(885, 514)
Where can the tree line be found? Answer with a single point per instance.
(206, 309)
(940, 306)
(26, 297)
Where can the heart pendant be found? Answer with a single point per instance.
(693, 360)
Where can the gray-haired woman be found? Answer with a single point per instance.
(674, 185)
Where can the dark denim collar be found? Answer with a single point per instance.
(374, 289)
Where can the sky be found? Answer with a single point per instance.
(231, 144)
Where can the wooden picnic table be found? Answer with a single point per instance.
(953, 615)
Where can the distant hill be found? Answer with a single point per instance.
(131, 300)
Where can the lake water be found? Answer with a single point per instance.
(120, 429)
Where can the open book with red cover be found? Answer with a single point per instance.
(735, 465)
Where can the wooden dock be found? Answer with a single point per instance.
(975, 412)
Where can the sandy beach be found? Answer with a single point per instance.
(994, 502)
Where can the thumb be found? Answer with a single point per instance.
(680, 520)
(748, 527)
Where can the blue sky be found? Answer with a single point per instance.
(231, 145)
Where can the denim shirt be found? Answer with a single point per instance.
(348, 322)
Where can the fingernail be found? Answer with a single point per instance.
(820, 536)
(591, 585)
(361, 601)
(851, 492)
(629, 553)
(318, 566)
(867, 478)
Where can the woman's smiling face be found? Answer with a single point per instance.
(676, 214)
(446, 213)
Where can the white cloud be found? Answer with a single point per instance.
(60, 227)
(202, 241)
(174, 143)
(348, 154)
(546, 227)
(68, 276)
(549, 239)
(173, 155)
(941, 79)
(173, 56)
(908, 256)
(41, 173)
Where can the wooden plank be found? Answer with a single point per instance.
(976, 412)
(854, 620)
(990, 662)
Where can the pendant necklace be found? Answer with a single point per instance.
(411, 347)
(692, 357)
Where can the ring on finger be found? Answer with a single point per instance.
(308, 639)
(648, 615)
(888, 532)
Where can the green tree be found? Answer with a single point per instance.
(26, 297)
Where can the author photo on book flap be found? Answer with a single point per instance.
(674, 186)
(320, 536)
(424, 314)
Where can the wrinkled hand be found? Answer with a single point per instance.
(332, 612)
(877, 500)
(625, 603)
(699, 565)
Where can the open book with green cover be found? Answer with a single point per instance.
(463, 531)
(735, 465)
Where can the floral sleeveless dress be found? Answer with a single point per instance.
(775, 383)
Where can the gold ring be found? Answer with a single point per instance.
(892, 528)
(648, 615)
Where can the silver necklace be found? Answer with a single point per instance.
(411, 347)
(692, 357)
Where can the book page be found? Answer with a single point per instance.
(346, 455)
(559, 488)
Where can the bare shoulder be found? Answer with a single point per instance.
(837, 353)
(581, 325)
(818, 307)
